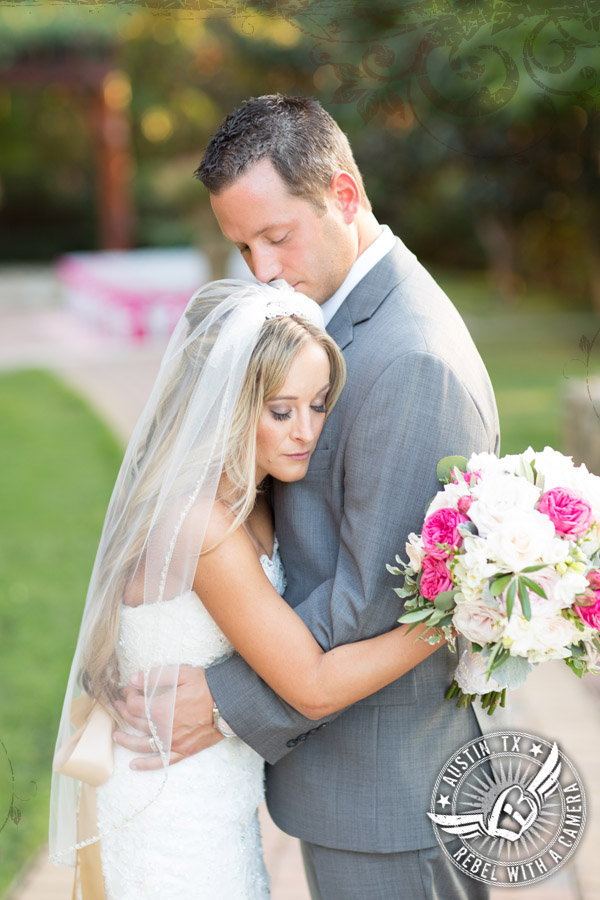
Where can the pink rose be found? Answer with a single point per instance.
(567, 510)
(589, 614)
(441, 527)
(463, 503)
(593, 578)
(435, 577)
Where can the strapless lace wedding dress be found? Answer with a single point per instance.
(196, 835)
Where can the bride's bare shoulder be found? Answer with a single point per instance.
(214, 524)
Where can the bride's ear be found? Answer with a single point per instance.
(346, 194)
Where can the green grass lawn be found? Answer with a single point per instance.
(58, 465)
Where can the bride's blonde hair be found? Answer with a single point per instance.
(279, 342)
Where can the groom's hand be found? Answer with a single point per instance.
(193, 729)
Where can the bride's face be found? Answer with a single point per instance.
(292, 421)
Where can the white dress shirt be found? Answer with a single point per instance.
(363, 264)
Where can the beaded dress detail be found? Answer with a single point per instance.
(195, 834)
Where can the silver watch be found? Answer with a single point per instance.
(221, 725)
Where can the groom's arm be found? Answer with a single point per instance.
(417, 412)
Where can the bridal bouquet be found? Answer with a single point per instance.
(509, 557)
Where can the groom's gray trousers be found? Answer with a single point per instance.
(426, 873)
(417, 390)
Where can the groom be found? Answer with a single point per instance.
(356, 787)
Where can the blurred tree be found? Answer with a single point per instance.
(475, 123)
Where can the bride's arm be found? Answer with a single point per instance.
(276, 643)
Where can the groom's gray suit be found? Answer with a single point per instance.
(417, 390)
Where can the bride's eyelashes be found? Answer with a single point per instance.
(282, 416)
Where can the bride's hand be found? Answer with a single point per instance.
(193, 729)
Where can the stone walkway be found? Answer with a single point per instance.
(115, 380)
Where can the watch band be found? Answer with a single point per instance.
(221, 725)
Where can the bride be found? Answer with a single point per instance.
(188, 572)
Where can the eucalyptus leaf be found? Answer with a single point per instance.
(445, 600)
(512, 672)
(576, 650)
(416, 615)
(466, 529)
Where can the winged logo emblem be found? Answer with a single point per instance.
(517, 805)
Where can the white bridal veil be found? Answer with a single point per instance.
(158, 514)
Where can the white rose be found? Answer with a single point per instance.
(499, 495)
(568, 586)
(558, 470)
(448, 497)
(520, 539)
(557, 551)
(486, 463)
(539, 639)
(415, 551)
(478, 622)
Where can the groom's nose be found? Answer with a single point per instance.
(264, 265)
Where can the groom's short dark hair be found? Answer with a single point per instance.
(302, 141)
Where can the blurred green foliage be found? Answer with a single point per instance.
(476, 124)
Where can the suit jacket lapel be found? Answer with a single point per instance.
(370, 292)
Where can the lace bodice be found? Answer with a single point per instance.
(195, 835)
(151, 634)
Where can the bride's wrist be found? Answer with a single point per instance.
(220, 724)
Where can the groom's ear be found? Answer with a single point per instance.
(346, 194)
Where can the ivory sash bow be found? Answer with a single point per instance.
(88, 756)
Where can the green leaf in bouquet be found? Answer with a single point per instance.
(535, 568)
(533, 586)
(499, 583)
(510, 598)
(393, 570)
(445, 621)
(576, 650)
(416, 615)
(445, 600)
(524, 598)
(466, 529)
(596, 643)
(497, 657)
(512, 672)
(404, 592)
(577, 666)
(445, 466)
(476, 647)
